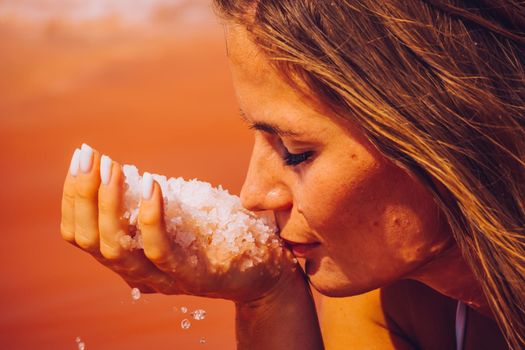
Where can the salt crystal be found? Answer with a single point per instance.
(193, 260)
(199, 314)
(135, 294)
(185, 324)
(81, 345)
(202, 341)
(208, 222)
(183, 309)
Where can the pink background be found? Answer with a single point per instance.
(146, 83)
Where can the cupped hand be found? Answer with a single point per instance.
(92, 220)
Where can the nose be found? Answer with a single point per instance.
(263, 188)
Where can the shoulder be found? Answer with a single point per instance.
(403, 315)
(428, 318)
(420, 314)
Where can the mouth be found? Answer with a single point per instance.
(300, 249)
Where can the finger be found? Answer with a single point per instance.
(86, 201)
(67, 222)
(133, 266)
(112, 227)
(157, 245)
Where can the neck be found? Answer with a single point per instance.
(450, 275)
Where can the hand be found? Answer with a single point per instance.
(92, 220)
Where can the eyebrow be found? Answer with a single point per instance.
(267, 127)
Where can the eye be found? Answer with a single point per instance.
(292, 159)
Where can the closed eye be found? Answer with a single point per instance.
(292, 159)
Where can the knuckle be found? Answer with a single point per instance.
(106, 204)
(86, 243)
(110, 252)
(156, 254)
(69, 197)
(86, 189)
(109, 198)
(66, 233)
(148, 215)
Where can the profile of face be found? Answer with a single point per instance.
(366, 221)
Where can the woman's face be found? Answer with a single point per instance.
(359, 221)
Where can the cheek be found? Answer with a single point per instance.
(376, 225)
(347, 196)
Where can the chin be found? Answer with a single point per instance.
(337, 290)
(335, 284)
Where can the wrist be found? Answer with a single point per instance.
(284, 318)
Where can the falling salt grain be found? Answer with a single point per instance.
(185, 324)
(135, 294)
(199, 314)
(202, 340)
(183, 309)
(81, 345)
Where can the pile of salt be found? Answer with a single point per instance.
(208, 221)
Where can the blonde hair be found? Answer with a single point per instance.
(439, 88)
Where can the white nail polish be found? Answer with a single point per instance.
(73, 167)
(147, 186)
(105, 169)
(86, 155)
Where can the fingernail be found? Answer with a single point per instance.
(105, 169)
(147, 186)
(86, 155)
(73, 167)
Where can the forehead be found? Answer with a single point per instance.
(265, 96)
(246, 59)
(261, 92)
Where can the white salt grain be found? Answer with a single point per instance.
(135, 293)
(183, 309)
(202, 341)
(199, 314)
(81, 345)
(185, 324)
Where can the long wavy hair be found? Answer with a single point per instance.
(439, 87)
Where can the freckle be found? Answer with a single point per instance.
(353, 156)
(375, 223)
(396, 221)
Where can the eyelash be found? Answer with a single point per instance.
(292, 159)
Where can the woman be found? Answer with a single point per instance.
(390, 144)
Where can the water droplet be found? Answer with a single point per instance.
(185, 324)
(135, 294)
(183, 309)
(202, 340)
(199, 314)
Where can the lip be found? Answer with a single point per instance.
(301, 250)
